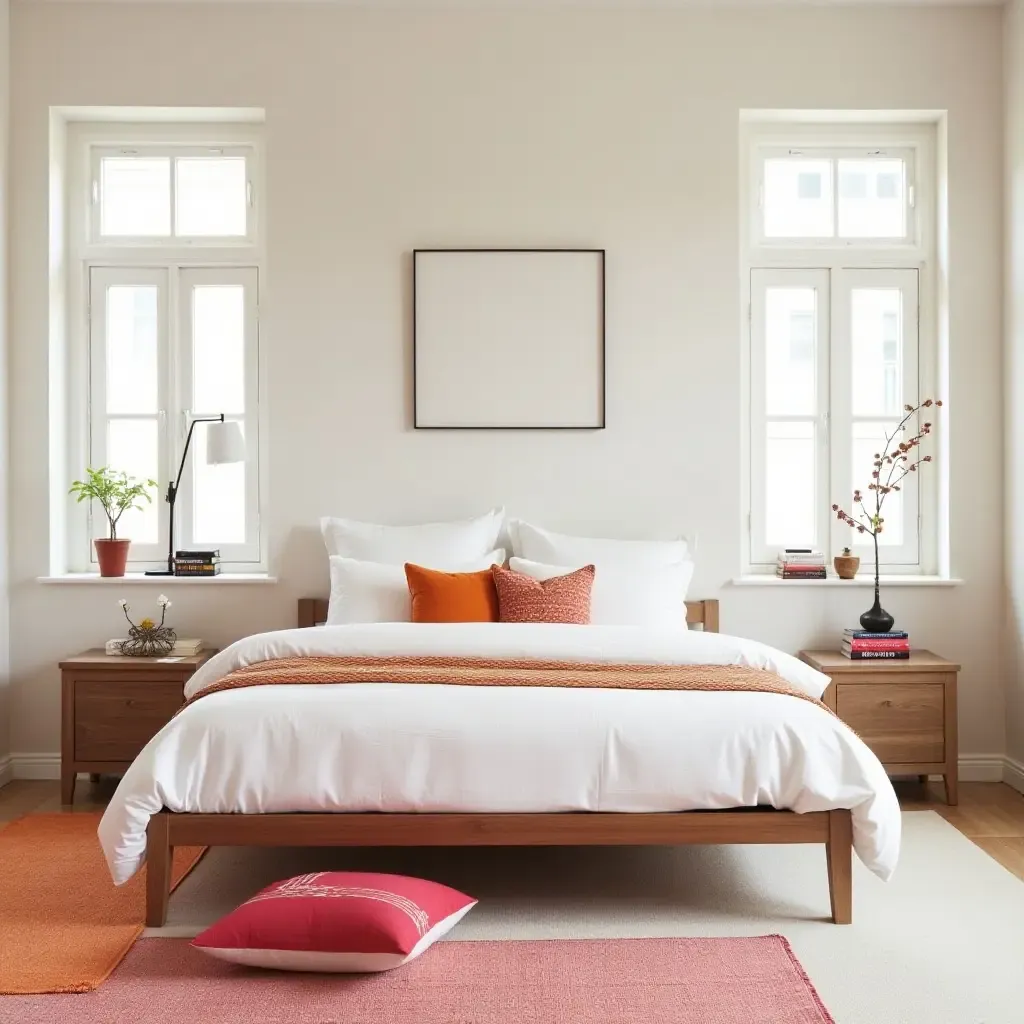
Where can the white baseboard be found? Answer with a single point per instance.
(973, 768)
(982, 768)
(1014, 774)
(35, 766)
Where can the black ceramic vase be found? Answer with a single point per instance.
(876, 619)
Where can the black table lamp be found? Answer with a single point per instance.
(224, 443)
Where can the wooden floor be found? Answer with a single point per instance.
(990, 814)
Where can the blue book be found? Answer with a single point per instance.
(863, 634)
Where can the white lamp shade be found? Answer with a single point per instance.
(224, 443)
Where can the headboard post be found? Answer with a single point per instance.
(698, 613)
(308, 611)
(710, 615)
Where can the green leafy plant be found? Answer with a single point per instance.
(116, 492)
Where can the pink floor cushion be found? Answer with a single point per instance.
(336, 921)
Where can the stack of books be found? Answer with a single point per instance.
(183, 648)
(196, 563)
(800, 564)
(861, 645)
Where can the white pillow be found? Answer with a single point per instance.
(626, 596)
(429, 544)
(379, 592)
(540, 545)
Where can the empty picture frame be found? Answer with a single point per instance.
(508, 339)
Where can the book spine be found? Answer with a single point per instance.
(787, 575)
(878, 645)
(863, 634)
(877, 655)
(213, 570)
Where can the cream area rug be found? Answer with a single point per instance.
(942, 943)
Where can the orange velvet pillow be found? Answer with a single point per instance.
(451, 596)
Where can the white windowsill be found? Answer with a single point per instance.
(159, 581)
(771, 580)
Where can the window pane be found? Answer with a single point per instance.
(791, 343)
(218, 348)
(210, 198)
(872, 198)
(135, 196)
(790, 484)
(132, 448)
(798, 198)
(876, 339)
(131, 349)
(869, 438)
(219, 497)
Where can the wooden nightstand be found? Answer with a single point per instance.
(905, 711)
(111, 707)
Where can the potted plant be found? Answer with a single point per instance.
(891, 466)
(117, 493)
(846, 564)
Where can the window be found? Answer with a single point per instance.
(837, 254)
(172, 334)
(160, 193)
(797, 201)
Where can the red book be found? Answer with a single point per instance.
(879, 645)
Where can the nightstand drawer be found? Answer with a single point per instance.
(901, 723)
(115, 719)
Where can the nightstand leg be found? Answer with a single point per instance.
(68, 777)
(952, 797)
(923, 779)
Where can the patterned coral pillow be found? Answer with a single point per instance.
(559, 599)
(336, 921)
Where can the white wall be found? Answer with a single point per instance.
(388, 130)
(1014, 379)
(5, 658)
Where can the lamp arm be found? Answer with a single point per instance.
(172, 489)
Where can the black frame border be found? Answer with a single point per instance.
(602, 424)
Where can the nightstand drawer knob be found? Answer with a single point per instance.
(886, 703)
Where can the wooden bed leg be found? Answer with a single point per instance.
(839, 854)
(159, 854)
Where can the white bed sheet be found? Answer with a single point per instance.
(399, 747)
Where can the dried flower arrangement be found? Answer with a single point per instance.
(891, 466)
(148, 639)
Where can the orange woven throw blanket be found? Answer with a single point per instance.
(465, 671)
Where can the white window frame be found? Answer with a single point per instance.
(116, 259)
(835, 152)
(172, 152)
(844, 261)
(247, 278)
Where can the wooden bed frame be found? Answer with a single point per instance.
(755, 825)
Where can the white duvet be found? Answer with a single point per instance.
(407, 747)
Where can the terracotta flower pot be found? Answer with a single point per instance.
(112, 555)
(846, 566)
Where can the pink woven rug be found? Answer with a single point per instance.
(595, 981)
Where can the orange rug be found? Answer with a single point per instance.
(64, 925)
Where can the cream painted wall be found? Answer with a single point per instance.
(5, 654)
(389, 130)
(1014, 381)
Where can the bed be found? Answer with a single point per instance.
(793, 754)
